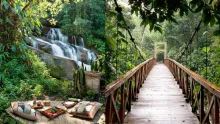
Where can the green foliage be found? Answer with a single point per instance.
(98, 65)
(206, 49)
(26, 90)
(50, 9)
(26, 75)
(85, 18)
(96, 43)
(18, 64)
(214, 67)
(17, 15)
(90, 93)
(204, 43)
(121, 54)
(56, 71)
(23, 76)
(160, 56)
(6, 119)
(157, 11)
(79, 89)
(38, 90)
(4, 101)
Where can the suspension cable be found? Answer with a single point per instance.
(117, 46)
(197, 45)
(126, 49)
(119, 10)
(190, 56)
(206, 57)
(186, 57)
(191, 39)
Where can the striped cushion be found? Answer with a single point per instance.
(23, 110)
(85, 109)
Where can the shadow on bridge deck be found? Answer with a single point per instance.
(160, 101)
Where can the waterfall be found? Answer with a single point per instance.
(60, 47)
(34, 43)
(57, 51)
(91, 56)
(51, 35)
(69, 51)
(61, 37)
(80, 42)
(74, 40)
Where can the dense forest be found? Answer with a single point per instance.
(23, 74)
(176, 31)
(112, 38)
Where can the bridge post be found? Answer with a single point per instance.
(216, 111)
(138, 81)
(141, 77)
(178, 75)
(108, 110)
(186, 85)
(176, 72)
(122, 107)
(129, 96)
(191, 92)
(201, 104)
(135, 87)
(180, 81)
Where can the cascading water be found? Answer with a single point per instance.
(57, 51)
(80, 42)
(61, 47)
(34, 43)
(74, 40)
(91, 56)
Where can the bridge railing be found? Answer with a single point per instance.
(202, 94)
(121, 92)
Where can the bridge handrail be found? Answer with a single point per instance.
(188, 81)
(110, 88)
(126, 88)
(205, 83)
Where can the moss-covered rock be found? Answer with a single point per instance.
(58, 67)
(56, 71)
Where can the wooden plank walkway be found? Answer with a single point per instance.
(160, 101)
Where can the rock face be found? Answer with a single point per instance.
(62, 53)
(58, 67)
(61, 45)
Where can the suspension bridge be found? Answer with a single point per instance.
(167, 93)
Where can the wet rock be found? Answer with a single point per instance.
(82, 55)
(58, 67)
(45, 30)
(45, 47)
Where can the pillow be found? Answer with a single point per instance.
(85, 109)
(23, 110)
(69, 104)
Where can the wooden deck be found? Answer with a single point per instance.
(160, 101)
